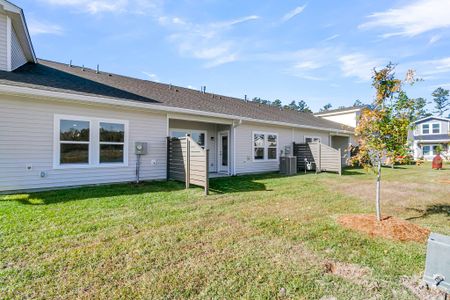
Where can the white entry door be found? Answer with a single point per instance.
(224, 151)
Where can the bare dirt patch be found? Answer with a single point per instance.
(389, 227)
(416, 286)
(351, 272)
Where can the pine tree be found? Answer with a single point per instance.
(440, 98)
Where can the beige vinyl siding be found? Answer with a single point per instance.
(17, 56)
(244, 147)
(3, 43)
(26, 137)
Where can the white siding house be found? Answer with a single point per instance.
(428, 134)
(62, 125)
(27, 144)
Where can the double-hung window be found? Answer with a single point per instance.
(429, 150)
(89, 142)
(74, 141)
(431, 128)
(112, 142)
(265, 146)
(436, 128)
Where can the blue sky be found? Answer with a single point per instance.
(320, 51)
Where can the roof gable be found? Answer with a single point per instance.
(432, 118)
(19, 25)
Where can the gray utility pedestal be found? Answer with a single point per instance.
(437, 269)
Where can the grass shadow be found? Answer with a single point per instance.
(241, 184)
(93, 192)
(353, 171)
(434, 209)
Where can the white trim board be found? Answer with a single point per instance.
(432, 117)
(94, 142)
(219, 156)
(265, 147)
(430, 128)
(9, 31)
(342, 112)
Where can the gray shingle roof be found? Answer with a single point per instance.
(53, 76)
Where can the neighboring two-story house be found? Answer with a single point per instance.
(428, 134)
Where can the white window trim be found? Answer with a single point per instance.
(266, 147)
(94, 143)
(432, 146)
(190, 131)
(312, 138)
(430, 128)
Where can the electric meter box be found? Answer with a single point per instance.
(437, 268)
(140, 148)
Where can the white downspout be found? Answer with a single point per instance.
(234, 145)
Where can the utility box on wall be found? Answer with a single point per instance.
(140, 148)
(437, 268)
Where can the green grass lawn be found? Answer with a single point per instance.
(252, 237)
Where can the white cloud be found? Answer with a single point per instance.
(358, 65)
(151, 76)
(38, 27)
(433, 69)
(296, 11)
(434, 39)
(333, 37)
(412, 19)
(208, 42)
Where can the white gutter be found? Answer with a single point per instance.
(33, 93)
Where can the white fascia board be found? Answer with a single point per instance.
(13, 9)
(431, 117)
(27, 34)
(53, 95)
(342, 112)
(8, 44)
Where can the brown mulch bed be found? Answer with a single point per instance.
(389, 227)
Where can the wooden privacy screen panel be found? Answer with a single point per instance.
(325, 158)
(188, 162)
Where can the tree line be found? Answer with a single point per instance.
(440, 99)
